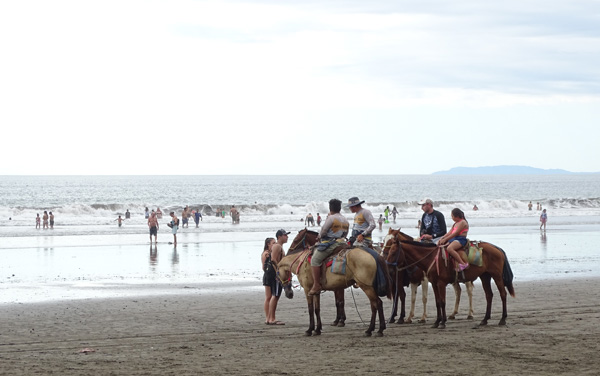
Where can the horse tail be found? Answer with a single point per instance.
(507, 274)
(388, 280)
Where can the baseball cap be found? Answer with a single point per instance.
(426, 201)
(281, 232)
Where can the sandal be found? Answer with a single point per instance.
(276, 323)
(462, 267)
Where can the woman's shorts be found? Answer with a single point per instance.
(174, 230)
(461, 239)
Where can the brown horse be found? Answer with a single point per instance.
(441, 272)
(403, 275)
(361, 268)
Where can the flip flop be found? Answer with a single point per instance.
(276, 323)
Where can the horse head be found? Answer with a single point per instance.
(392, 252)
(305, 239)
(284, 275)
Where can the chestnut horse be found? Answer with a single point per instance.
(361, 268)
(401, 277)
(440, 272)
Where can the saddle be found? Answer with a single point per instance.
(337, 259)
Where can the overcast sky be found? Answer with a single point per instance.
(297, 87)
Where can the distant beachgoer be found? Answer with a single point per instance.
(119, 221)
(51, 217)
(419, 224)
(310, 221)
(380, 221)
(457, 237)
(38, 221)
(235, 214)
(174, 225)
(538, 206)
(184, 218)
(386, 212)
(146, 213)
(543, 219)
(269, 274)
(530, 205)
(475, 207)
(318, 219)
(153, 226)
(158, 213)
(45, 219)
(127, 214)
(394, 213)
(277, 254)
(197, 217)
(223, 213)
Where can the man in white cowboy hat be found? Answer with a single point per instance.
(433, 223)
(364, 223)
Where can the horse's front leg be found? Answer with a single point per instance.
(396, 292)
(311, 312)
(424, 291)
(457, 292)
(442, 296)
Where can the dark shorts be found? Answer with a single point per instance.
(276, 288)
(185, 221)
(461, 239)
(153, 231)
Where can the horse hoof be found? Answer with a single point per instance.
(367, 334)
(308, 333)
(469, 317)
(341, 324)
(451, 317)
(392, 321)
(400, 322)
(483, 323)
(317, 332)
(422, 321)
(442, 326)
(502, 322)
(379, 334)
(335, 323)
(435, 326)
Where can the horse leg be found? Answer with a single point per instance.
(502, 291)
(457, 292)
(438, 308)
(441, 286)
(373, 299)
(470, 286)
(413, 299)
(394, 300)
(317, 302)
(382, 325)
(402, 303)
(311, 312)
(340, 317)
(489, 295)
(424, 288)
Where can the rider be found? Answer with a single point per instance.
(433, 224)
(333, 231)
(457, 237)
(364, 223)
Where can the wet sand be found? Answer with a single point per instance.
(552, 329)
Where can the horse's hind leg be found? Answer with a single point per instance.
(382, 325)
(340, 317)
(489, 295)
(470, 286)
(502, 291)
(457, 292)
(317, 301)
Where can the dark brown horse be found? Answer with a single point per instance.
(361, 269)
(441, 272)
(403, 276)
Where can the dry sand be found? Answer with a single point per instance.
(552, 329)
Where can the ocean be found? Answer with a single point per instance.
(88, 255)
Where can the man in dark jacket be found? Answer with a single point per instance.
(433, 224)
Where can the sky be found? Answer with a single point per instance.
(297, 87)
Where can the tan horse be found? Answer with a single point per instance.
(403, 275)
(441, 272)
(361, 268)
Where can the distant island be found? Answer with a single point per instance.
(503, 170)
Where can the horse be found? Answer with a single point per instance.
(401, 278)
(361, 268)
(428, 257)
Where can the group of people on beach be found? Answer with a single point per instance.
(336, 228)
(46, 221)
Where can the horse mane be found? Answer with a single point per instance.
(419, 244)
(294, 251)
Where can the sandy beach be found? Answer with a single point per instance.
(552, 329)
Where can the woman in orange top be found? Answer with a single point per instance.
(457, 237)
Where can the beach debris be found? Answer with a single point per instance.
(86, 350)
